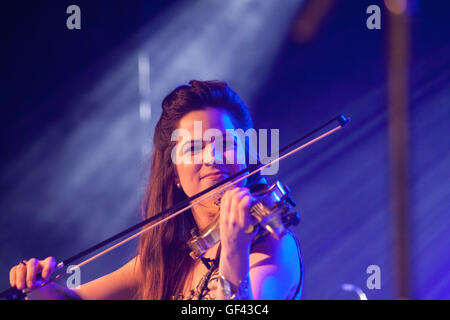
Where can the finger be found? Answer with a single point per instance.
(32, 269)
(243, 208)
(240, 194)
(12, 276)
(225, 204)
(21, 271)
(245, 193)
(49, 265)
(233, 191)
(229, 199)
(235, 213)
(226, 212)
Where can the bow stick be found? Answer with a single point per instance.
(149, 223)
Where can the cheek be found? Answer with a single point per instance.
(235, 159)
(189, 178)
(236, 162)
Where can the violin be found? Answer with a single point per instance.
(272, 211)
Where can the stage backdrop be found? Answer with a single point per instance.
(79, 108)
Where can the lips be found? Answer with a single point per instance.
(215, 175)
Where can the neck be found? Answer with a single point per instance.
(204, 215)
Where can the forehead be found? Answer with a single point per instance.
(210, 118)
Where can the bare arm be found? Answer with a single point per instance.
(273, 265)
(275, 269)
(120, 284)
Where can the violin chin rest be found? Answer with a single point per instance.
(257, 185)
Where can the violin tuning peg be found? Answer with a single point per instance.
(291, 219)
(251, 228)
(194, 232)
(294, 218)
(291, 201)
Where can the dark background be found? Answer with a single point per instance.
(75, 145)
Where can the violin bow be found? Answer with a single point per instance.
(149, 223)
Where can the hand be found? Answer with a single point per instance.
(24, 274)
(235, 218)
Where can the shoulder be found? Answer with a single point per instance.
(285, 248)
(278, 262)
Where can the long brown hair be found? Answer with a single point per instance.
(163, 254)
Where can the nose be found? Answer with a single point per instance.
(212, 154)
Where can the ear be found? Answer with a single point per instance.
(176, 179)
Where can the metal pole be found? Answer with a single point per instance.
(398, 73)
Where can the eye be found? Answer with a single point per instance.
(230, 143)
(193, 148)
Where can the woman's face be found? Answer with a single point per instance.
(208, 154)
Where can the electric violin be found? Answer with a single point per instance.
(271, 212)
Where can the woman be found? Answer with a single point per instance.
(163, 268)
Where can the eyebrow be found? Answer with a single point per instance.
(224, 137)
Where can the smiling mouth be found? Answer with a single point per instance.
(215, 175)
